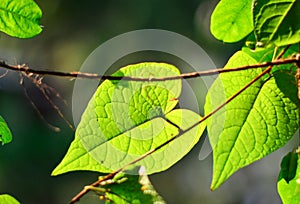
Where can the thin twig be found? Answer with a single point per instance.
(44, 88)
(26, 69)
(4, 74)
(110, 176)
(22, 83)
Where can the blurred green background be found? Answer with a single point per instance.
(72, 30)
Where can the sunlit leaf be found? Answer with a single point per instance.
(5, 134)
(20, 18)
(257, 122)
(126, 119)
(231, 20)
(8, 199)
(276, 22)
(77, 158)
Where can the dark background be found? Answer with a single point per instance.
(72, 30)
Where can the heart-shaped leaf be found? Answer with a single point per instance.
(126, 119)
(257, 122)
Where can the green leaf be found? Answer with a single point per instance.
(275, 22)
(288, 167)
(20, 18)
(128, 189)
(289, 191)
(8, 199)
(231, 20)
(262, 55)
(126, 119)
(257, 122)
(5, 134)
(77, 158)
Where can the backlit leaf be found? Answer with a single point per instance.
(8, 199)
(257, 122)
(20, 18)
(126, 119)
(5, 134)
(276, 22)
(231, 20)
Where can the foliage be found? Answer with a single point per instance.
(126, 189)
(289, 179)
(20, 18)
(256, 122)
(265, 116)
(8, 199)
(5, 134)
(249, 113)
(147, 121)
(274, 22)
(231, 21)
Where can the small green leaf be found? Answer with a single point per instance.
(290, 191)
(257, 122)
(288, 167)
(231, 20)
(262, 55)
(275, 22)
(126, 119)
(128, 189)
(20, 18)
(5, 134)
(8, 199)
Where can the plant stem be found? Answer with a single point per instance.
(85, 75)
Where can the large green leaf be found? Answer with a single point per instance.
(126, 119)
(5, 134)
(20, 18)
(8, 199)
(231, 20)
(276, 22)
(289, 191)
(127, 189)
(257, 122)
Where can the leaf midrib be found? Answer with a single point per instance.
(280, 22)
(250, 109)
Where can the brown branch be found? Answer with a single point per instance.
(28, 70)
(110, 176)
